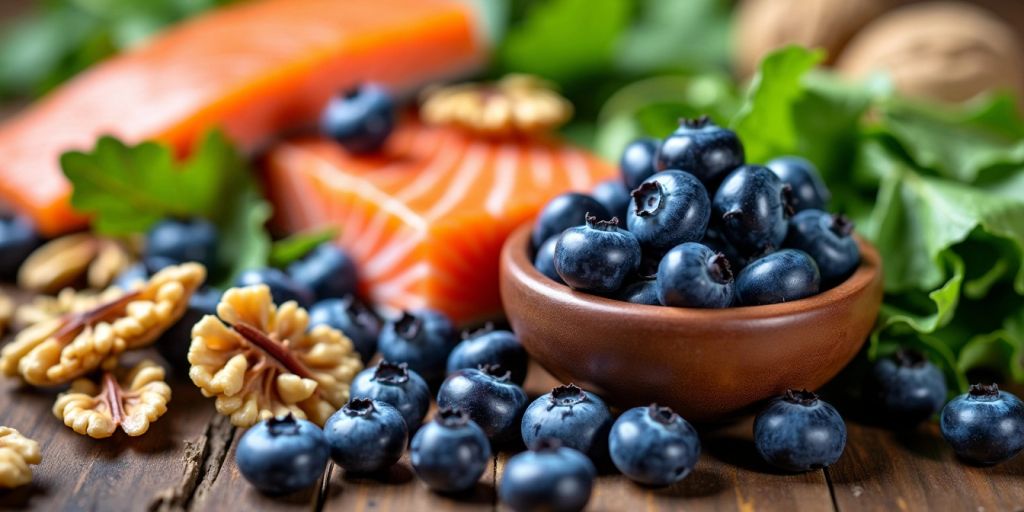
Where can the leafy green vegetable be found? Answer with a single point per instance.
(765, 122)
(565, 40)
(126, 189)
(296, 246)
(63, 37)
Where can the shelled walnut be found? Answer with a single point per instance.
(17, 452)
(130, 402)
(64, 261)
(520, 104)
(260, 361)
(59, 350)
(49, 307)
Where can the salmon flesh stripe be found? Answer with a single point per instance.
(255, 69)
(425, 223)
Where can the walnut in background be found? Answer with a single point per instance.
(941, 50)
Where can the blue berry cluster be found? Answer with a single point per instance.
(691, 224)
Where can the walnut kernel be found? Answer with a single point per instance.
(520, 104)
(260, 361)
(17, 452)
(132, 402)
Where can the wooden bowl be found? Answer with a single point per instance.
(707, 364)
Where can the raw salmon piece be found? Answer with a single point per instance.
(425, 220)
(255, 68)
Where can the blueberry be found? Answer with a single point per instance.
(366, 435)
(827, 239)
(282, 287)
(350, 316)
(751, 210)
(327, 270)
(175, 342)
(644, 291)
(693, 276)
(18, 238)
(422, 339)
(614, 196)
(450, 453)
(703, 148)
(717, 242)
(668, 209)
(176, 241)
(489, 397)
(549, 477)
(361, 119)
(808, 190)
(985, 425)
(398, 386)
(132, 276)
(653, 445)
(907, 389)
(638, 161)
(490, 347)
(577, 418)
(545, 259)
(781, 276)
(597, 257)
(282, 455)
(563, 212)
(799, 432)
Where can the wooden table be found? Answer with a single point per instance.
(186, 462)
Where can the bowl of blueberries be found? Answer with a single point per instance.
(697, 280)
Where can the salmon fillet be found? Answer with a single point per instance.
(255, 69)
(425, 219)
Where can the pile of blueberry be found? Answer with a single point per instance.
(690, 224)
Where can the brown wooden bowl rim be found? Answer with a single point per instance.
(515, 252)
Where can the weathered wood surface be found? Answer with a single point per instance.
(186, 462)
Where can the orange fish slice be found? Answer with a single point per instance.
(255, 68)
(425, 220)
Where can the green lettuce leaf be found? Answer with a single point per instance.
(691, 35)
(765, 122)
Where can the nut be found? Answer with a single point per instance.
(941, 50)
(260, 361)
(132, 402)
(16, 453)
(64, 261)
(517, 104)
(45, 307)
(59, 350)
(6, 312)
(766, 25)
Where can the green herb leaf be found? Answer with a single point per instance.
(692, 35)
(765, 122)
(295, 247)
(126, 189)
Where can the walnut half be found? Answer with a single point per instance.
(260, 361)
(59, 350)
(17, 452)
(132, 402)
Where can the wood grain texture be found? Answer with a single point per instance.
(884, 470)
(81, 473)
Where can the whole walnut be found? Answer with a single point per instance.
(942, 50)
(765, 25)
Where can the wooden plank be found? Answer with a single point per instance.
(80, 473)
(883, 470)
